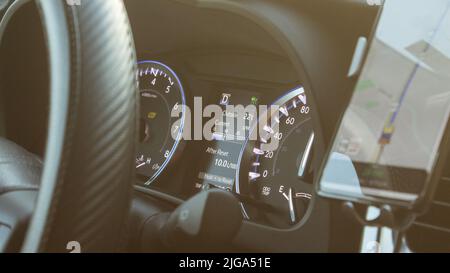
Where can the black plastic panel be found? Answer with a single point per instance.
(317, 47)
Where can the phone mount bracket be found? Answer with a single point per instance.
(390, 217)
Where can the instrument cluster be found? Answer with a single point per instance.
(254, 142)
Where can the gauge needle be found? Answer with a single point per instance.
(305, 158)
(140, 165)
(291, 206)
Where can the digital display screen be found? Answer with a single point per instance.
(219, 157)
(388, 141)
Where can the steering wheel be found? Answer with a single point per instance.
(81, 201)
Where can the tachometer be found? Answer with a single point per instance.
(160, 93)
(276, 179)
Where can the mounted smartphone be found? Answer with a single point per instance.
(391, 143)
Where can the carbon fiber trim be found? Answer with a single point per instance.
(90, 199)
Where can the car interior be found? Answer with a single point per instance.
(104, 108)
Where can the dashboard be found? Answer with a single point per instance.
(175, 157)
(191, 57)
(226, 159)
(244, 99)
(196, 54)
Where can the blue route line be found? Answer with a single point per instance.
(417, 66)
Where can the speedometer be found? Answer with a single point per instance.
(161, 94)
(277, 179)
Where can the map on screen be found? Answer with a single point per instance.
(393, 126)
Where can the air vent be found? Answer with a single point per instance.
(431, 232)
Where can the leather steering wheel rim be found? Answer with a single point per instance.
(88, 172)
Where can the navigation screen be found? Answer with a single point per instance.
(388, 141)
